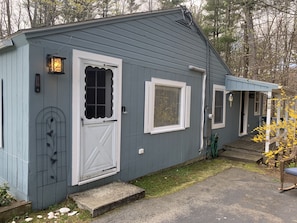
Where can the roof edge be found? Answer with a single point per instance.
(234, 83)
(5, 43)
(61, 27)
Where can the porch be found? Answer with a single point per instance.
(245, 144)
(243, 149)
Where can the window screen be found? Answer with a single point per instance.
(167, 106)
(219, 106)
(98, 92)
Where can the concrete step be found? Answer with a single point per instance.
(246, 150)
(108, 197)
(239, 156)
(246, 145)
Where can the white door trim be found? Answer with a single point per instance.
(79, 59)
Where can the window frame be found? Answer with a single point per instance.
(257, 111)
(184, 109)
(1, 116)
(223, 90)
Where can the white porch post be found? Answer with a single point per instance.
(278, 118)
(268, 118)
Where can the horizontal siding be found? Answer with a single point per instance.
(156, 46)
(151, 47)
(217, 70)
(157, 42)
(48, 181)
(161, 150)
(14, 156)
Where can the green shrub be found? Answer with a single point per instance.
(5, 197)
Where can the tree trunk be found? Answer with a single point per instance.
(8, 16)
(252, 50)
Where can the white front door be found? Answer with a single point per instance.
(96, 116)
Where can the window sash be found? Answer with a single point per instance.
(257, 103)
(1, 114)
(98, 92)
(167, 106)
(158, 95)
(219, 106)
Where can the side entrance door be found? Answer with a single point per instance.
(243, 117)
(96, 116)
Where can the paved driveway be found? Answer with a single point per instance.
(235, 195)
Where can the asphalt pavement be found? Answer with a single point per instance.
(234, 195)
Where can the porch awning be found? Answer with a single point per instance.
(233, 83)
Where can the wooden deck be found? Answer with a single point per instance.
(244, 150)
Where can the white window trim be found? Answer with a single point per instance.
(1, 114)
(185, 106)
(223, 89)
(259, 102)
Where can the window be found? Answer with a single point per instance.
(264, 105)
(1, 114)
(167, 106)
(98, 92)
(257, 103)
(218, 106)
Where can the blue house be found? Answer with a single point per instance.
(94, 102)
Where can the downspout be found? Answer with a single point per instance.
(203, 72)
(207, 129)
(187, 16)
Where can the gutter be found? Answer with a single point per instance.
(203, 72)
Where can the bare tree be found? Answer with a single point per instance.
(2, 16)
(5, 18)
(42, 12)
(250, 42)
(78, 10)
(8, 16)
(125, 7)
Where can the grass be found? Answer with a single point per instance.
(156, 185)
(174, 179)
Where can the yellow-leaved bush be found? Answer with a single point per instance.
(284, 130)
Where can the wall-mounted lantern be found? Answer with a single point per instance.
(55, 64)
(230, 99)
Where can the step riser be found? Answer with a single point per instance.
(239, 156)
(243, 150)
(109, 207)
(246, 147)
(240, 159)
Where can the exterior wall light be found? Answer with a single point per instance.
(55, 64)
(230, 99)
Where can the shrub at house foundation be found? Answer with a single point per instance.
(5, 198)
